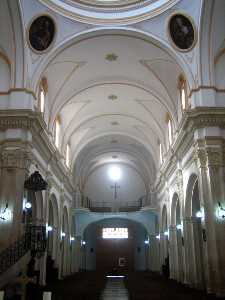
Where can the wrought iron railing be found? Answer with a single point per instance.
(33, 239)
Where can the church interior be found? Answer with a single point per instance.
(112, 149)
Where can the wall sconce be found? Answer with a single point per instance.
(6, 213)
(49, 228)
(158, 237)
(179, 226)
(200, 214)
(166, 233)
(221, 211)
(72, 239)
(26, 205)
(146, 242)
(63, 234)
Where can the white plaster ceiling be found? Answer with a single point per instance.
(124, 98)
(109, 11)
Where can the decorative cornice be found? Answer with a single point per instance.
(33, 121)
(24, 90)
(193, 119)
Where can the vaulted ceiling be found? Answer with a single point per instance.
(112, 92)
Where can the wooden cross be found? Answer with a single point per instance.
(115, 187)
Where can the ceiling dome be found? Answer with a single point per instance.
(108, 3)
(109, 12)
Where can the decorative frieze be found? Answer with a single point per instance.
(15, 122)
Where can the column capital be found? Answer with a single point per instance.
(210, 156)
(15, 158)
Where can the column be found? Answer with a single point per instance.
(173, 255)
(210, 161)
(154, 258)
(14, 168)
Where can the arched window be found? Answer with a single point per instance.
(169, 129)
(68, 155)
(170, 134)
(43, 90)
(42, 101)
(160, 153)
(56, 133)
(182, 86)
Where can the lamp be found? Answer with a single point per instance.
(49, 228)
(5, 213)
(158, 237)
(179, 226)
(200, 214)
(221, 211)
(72, 239)
(166, 233)
(63, 234)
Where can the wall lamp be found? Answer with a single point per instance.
(72, 239)
(221, 211)
(49, 228)
(63, 234)
(179, 226)
(158, 237)
(166, 233)
(5, 214)
(200, 214)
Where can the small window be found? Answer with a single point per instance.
(115, 233)
(160, 153)
(57, 132)
(170, 135)
(183, 92)
(68, 155)
(42, 94)
(42, 101)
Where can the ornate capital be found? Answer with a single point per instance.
(201, 158)
(16, 158)
(214, 157)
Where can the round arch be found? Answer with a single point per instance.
(92, 33)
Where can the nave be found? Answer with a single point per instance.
(143, 285)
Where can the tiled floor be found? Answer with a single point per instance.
(115, 290)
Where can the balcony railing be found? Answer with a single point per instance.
(33, 239)
(113, 206)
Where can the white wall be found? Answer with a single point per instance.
(98, 187)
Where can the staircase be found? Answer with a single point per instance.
(34, 239)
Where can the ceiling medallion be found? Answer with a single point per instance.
(182, 32)
(41, 33)
(112, 97)
(111, 57)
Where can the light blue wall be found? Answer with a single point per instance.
(140, 234)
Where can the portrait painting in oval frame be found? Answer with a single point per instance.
(41, 33)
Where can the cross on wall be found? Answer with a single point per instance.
(115, 187)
